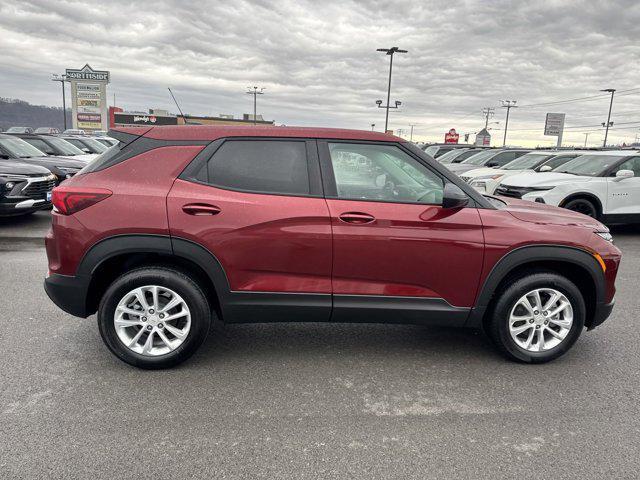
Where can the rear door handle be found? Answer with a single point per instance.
(357, 218)
(199, 209)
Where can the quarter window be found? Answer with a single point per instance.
(382, 173)
(263, 166)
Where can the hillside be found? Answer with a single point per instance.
(20, 113)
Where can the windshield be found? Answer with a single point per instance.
(480, 158)
(589, 165)
(451, 155)
(95, 145)
(64, 147)
(20, 149)
(527, 161)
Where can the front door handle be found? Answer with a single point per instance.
(199, 209)
(357, 218)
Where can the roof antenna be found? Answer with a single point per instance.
(179, 109)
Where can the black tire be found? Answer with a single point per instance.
(170, 278)
(497, 325)
(584, 206)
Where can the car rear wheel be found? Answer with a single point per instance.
(582, 205)
(154, 317)
(537, 318)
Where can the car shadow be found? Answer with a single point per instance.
(295, 340)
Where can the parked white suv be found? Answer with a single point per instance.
(604, 185)
(486, 179)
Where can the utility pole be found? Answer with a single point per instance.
(411, 134)
(62, 79)
(487, 113)
(390, 52)
(586, 137)
(508, 104)
(255, 94)
(609, 122)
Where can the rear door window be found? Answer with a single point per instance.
(261, 166)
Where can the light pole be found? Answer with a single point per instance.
(586, 137)
(255, 94)
(62, 78)
(390, 52)
(606, 132)
(508, 104)
(373, 125)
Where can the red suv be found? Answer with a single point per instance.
(177, 226)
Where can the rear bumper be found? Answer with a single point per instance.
(69, 293)
(603, 310)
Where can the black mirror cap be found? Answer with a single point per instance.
(454, 197)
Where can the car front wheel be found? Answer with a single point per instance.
(537, 318)
(154, 317)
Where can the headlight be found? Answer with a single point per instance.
(605, 236)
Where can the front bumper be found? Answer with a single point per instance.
(602, 312)
(12, 206)
(69, 293)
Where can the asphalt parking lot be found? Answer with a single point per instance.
(307, 400)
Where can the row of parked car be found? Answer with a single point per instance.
(603, 184)
(32, 164)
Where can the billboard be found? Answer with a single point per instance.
(554, 124)
(122, 118)
(88, 98)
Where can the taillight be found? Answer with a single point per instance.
(69, 200)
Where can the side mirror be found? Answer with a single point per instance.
(86, 150)
(492, 164)
(4, 156)
(545, 168)
(622, 174)
(453, 196)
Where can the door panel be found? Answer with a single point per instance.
(623, 195)
(265, 243)
(408, 250)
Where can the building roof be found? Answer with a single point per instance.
(213, 132)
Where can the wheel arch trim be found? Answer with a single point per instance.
(586, 195)
(535, 254)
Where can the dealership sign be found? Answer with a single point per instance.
(554, 124)
(88, 97)
(451, 136)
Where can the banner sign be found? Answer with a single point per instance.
(88, 98)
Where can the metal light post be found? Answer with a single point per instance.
(373, 125)
(606, 132)
(390, 52)
(411, 134)
(586, 137)
(62, 78)
(255, 94)
(508, 104)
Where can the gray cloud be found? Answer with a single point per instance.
(318, 59)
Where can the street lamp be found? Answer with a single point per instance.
(62, 78)
(389, 51)
(609, 122)
(373, 126)
(255, 94)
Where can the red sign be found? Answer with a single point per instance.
(451, 136)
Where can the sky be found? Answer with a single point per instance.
(318, 63)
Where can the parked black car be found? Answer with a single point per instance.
(12, 147)
(24, 188)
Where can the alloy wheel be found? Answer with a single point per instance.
(152, 320)
(540, 320)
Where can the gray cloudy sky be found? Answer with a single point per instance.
(318, 62)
